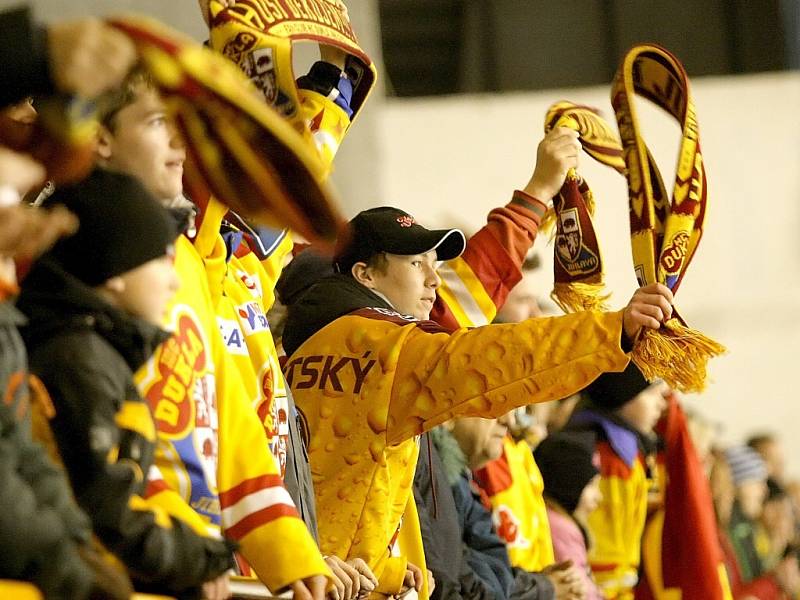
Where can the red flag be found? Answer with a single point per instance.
(681, 556)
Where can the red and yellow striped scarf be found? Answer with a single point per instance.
(238, 148)
(665, 233)
(577, 264)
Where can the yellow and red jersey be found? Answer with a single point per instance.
(210, 469)
(515, 489)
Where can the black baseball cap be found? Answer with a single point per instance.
(392, 230)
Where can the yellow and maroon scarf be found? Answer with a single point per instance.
(664, 234)
(238, 148)
(577, 264)
(259, 36)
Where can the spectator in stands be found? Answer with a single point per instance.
(93, 303)
(749, 474)
(569, 466)
(622, 409)
(776, 526)
(226, 449)
(467, 444)
(768, 446)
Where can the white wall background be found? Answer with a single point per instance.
(450, 160)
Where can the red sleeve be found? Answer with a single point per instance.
(495, 254)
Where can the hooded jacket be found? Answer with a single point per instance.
(85, 351)
(368, 380)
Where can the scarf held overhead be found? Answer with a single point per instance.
(260, 35)
(578, 266)
(664, 234)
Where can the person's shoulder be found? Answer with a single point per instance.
(78, 351)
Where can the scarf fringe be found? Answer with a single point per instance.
(577, 296)
(677, 354)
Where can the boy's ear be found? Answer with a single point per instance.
(105, 141)
(115, 285)
(363, 274)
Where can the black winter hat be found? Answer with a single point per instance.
(613, 390)
(566, 460)
(121, 227)
(392, 230)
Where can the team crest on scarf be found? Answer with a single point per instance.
(572, 254)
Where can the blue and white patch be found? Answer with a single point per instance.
(232, 336)
(252, 318)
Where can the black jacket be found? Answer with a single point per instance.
(41, 529)
(446, 555)
(85, 352)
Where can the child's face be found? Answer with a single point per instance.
(148, 289)
(145, 144)
(645, 409)
(409, 282)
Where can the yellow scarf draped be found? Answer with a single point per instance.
(664, 234)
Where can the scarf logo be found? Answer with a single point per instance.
(674, 253)
(405, 221)
(571, 252)
(239, 46)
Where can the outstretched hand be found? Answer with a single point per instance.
(649, 307)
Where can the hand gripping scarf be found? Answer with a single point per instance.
(238, 149)
(259, 36)
(577, 264)
(664, 234)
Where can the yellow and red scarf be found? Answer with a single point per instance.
(259, 37)
(238, 148)
(577, 264)
(664, 234)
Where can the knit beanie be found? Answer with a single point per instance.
(613, 390)
(121, 227)
(746, 464)
(567, 463)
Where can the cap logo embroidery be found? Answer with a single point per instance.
(405, 221)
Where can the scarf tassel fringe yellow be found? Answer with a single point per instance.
(677, 354)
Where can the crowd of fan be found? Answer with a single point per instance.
(430, 432)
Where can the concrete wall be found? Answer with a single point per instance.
(451, 160)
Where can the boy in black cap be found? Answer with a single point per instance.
(370, 372)
(94, 303)
(569, 466)
(622, 409)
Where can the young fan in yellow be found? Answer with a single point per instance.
(622, 409)
(516, 490)
(369, 373)
(212, 466)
